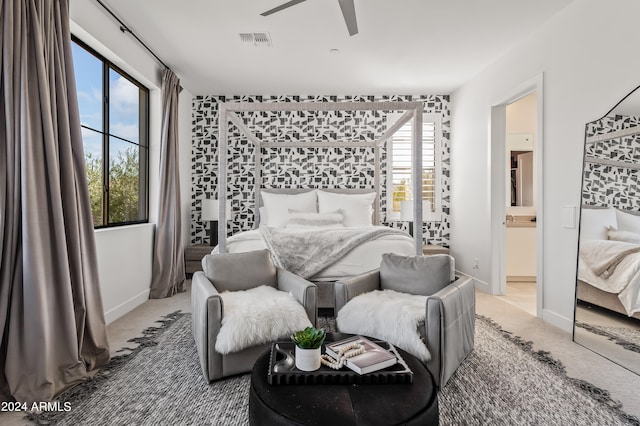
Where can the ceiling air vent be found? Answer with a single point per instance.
(256, 39)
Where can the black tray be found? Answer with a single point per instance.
(282, 370)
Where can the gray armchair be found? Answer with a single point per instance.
(237, 271)
(449, 327)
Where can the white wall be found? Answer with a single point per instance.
(586, 55)
(124, 264)
(125, 254)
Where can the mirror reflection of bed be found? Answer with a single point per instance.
(607, 316)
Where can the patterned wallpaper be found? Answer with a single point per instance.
(306, 167)
(612, 185)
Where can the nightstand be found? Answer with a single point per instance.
(193, 257)
(434, 249)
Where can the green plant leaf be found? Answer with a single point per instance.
(309, 338)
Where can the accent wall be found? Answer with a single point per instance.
(343, 166)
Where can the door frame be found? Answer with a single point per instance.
(497, 174)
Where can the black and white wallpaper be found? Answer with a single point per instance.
(305, 167)
(612, 185)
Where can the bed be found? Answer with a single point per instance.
(358, 260)
(323, 235)
(609, 260)
(359, 221)
(229, 112)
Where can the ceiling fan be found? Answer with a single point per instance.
(347, 7)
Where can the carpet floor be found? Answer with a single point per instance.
(502, 382)
(626, 337)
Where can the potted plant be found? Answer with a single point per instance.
(308, 347)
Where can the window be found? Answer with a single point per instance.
(401, 160)
(114, 116)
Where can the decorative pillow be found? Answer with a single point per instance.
(240, 271)
(628, 221)
(387, 315)
(594, 223)
(256, 316)
(278, 205)
(315, 220)
(263, 216)
(423, 275)
(356, 208)
(626, 236)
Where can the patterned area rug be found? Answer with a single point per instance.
(626, 337)
(502, 382)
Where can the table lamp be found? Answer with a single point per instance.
(210, 212)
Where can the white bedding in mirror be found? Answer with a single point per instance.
(624, 280)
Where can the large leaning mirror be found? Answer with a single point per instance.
(607, 315)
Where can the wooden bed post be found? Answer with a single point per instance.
(417, 178)
(223, 121)
(257, 143)
(227, 112)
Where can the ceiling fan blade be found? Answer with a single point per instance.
(349, 14)
(281, 7)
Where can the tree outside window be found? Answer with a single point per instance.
(114, 117)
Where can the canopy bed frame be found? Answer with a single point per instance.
(228, 112)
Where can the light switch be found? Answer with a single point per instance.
(569, 216)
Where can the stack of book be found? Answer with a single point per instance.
(373, 358)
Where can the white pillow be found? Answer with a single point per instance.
(626, 236)
(628, 221)
(315, 220)
(356, 208)
(278, 205)
(263, 216)
(594, 223)
(256, 316)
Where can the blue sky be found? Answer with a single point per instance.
(123, 102)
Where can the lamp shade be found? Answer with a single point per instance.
(406, 210)
(211, 209)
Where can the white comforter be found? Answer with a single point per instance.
(625, 278)
(359, 260)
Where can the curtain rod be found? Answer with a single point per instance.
(126, 29)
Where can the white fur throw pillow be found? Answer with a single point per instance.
(387, 315)
(256, 316)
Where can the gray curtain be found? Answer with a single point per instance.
(168, 260)
(51, 316)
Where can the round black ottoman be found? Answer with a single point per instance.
(375, 404)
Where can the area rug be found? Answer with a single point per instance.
(626, 337)
(503, 381)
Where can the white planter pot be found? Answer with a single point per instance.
(307, 359)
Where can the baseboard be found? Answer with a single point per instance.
(125, 307)
(480, 285)
(559, 321)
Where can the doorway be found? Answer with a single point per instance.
(516, 197)
(520, 197)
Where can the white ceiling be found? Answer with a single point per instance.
(403, 46)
